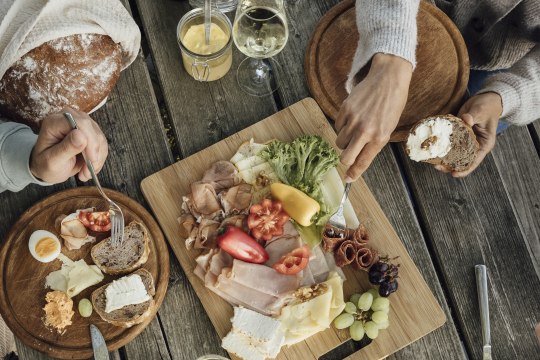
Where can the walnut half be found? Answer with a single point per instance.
(426, 144)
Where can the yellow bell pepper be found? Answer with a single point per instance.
(300, 207)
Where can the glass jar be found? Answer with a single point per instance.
(205, 62)
(221, 5)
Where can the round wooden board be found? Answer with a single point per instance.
(22, 289)
(438, 82)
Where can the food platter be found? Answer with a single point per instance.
(414, 311)
(438, 83)
(22, 291)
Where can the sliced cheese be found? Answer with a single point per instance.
(249, 162)
(73, 277)
(129, 290)
(300, 321)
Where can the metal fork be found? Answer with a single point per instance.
(338, 220)
(117, 217)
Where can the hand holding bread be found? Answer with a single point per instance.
(56, 155)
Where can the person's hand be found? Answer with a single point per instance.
(57, 153)
(371, 113)
(482, 113)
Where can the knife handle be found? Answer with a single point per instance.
(481, 287)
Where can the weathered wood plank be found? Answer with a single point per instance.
(471, 221)
(188, 329)
(27, 353)
(201, 113)
(519, 166)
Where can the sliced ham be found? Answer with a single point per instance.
(237, 199)
(221, 175)
(204, 197)
(280, 247)
(317, 265)
(307, 278)
(262, 278)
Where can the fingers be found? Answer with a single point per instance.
(355, 146)
(65, 152)
(363, 160)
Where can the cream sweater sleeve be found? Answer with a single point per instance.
(385, 26)
(519, 88)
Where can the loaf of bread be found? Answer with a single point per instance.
(131, 314)
(125, 258)
(78, 71)
(443, 140)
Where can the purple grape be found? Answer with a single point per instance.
(376, 277)
(387, 287)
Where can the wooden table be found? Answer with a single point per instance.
(157, 114)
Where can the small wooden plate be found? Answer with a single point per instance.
(22, 289)
(438, 82)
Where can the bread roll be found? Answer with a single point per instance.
(78, 71)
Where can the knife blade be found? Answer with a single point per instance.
(98, 344)
(483, 302)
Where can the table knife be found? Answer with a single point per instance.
(98, 344)
(481, 287)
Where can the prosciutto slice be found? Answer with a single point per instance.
(236, 199)
(365, 257)
(333, 237)
(222, 175)
(262, 278)
(360, 235)
(205, 201)
(345, 253)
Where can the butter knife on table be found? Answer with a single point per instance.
(483, 302)
(98, 344)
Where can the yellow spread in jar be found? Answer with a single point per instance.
(46, 246)
(58, 310)
(194, 41)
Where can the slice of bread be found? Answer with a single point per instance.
(124, 258)
(131, 314)
(463, 141)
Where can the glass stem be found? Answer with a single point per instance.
(260, 73)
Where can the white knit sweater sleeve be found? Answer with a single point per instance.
(385, 26)
(519, 88)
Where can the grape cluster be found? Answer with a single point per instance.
(364, 314)
(384, 274)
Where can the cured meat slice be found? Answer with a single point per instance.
(365, 257)
(280, 247)
(333, 237)
(345, 253)
(360, 235)
(236, 199)
(221, 175)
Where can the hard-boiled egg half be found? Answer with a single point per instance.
(44, 246)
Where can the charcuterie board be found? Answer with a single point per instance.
(22, 290)
(414, 310)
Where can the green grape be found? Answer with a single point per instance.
(380, 304)
(343, 321)
(365, 301)
(371, 329)
(350, 308)
(354, 298)
(374, 292)
(357, 331)
(379, 317)
(383, 325)
(85, 308)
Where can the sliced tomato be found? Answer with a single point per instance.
(267, 219)
(240, 245)
(293, 262)
(98, 221)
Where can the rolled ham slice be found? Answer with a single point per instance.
(262, 278)
(74, 233)
(345, 253)
(365, 257)
(360, 235)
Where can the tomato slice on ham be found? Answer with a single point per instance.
(266, 219)
(98, 221)
(293, 262)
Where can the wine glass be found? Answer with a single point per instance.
(260, 31)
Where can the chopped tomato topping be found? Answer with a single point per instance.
(99, 221)
(267, 219)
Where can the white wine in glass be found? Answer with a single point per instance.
(260, 31)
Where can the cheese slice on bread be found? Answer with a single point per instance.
(126, 257)
(443, 140)
(130, 314)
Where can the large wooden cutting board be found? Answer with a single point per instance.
(438, 82)
(414, 310)
(22, 287)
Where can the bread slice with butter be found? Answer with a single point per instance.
(131, 314)
(124, 258)
(443, 140)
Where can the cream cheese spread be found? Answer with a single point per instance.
(129, 290)
(430, 140)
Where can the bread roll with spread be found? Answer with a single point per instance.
(55, 54)
(443, 140)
